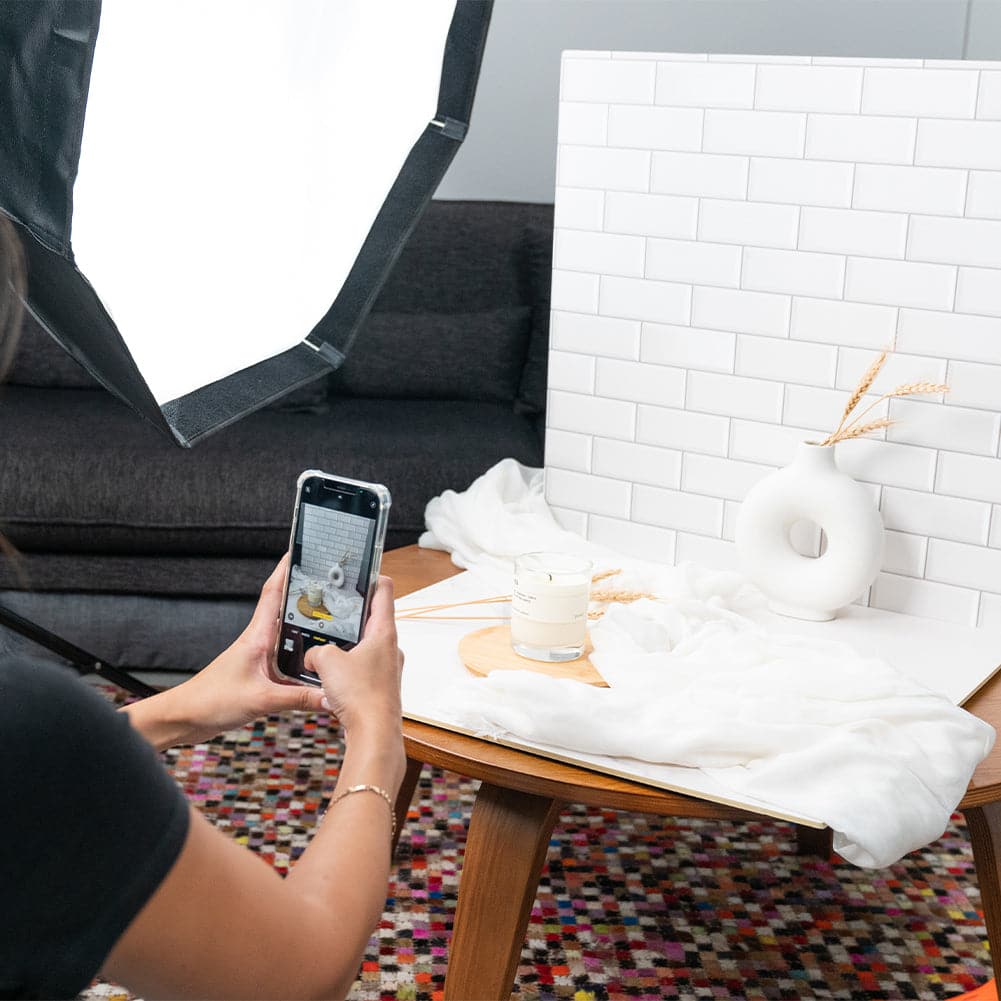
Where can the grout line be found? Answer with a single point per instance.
(813, 296)
(790, 204)
(785, 336)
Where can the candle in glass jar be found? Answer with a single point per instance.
(549, 606)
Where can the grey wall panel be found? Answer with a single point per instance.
(511, 148)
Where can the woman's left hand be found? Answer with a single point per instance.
(238, 686)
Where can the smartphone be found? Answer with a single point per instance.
(338, 531)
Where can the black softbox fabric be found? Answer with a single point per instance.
(49, 52)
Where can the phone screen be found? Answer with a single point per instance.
(333, 551)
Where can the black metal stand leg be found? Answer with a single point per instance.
(84, 662)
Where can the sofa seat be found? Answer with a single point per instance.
(156, 519)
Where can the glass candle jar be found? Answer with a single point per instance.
(549, 606)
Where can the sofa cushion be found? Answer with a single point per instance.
(464, 279)
(438, 356)
(107, 483)
(40, 361)
(313, 398)
(538, 244)
(464, 257)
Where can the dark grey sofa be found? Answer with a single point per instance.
(151, 555)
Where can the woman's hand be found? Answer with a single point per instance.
(237, 687)
(362, 686)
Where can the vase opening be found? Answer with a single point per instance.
(807, 538)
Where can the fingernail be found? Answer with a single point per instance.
(324, 702)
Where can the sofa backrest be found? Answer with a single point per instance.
(465, 312)
(462, 316)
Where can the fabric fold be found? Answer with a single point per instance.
(810, 726)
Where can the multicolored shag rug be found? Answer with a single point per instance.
(629, 906)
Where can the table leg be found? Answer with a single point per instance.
(505, 851)
(810, 841)
(984, 825)
(406, 796)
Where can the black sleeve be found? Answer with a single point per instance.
(91, 823)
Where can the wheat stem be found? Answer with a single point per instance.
(868, 378)
(856, 430)
(907, 389)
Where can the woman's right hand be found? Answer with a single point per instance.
(362, 686)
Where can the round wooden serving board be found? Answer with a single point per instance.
(488, 650)
(313, 612)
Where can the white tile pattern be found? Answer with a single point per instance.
(332, 537)
(737, 237)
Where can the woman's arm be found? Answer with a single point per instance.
(237, 687)
(224, 925)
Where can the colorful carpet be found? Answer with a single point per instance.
(629, 906)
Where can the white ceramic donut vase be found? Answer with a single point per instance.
(335, 578)
(811, 489)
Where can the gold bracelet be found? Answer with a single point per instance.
(366, 788)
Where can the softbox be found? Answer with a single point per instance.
(212, 194)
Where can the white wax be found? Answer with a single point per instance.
(549, 610)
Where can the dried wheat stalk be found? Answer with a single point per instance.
(604, 576)
(426, 613)
(906, 389)
(857, 427)
(623, 596)
(858, 430)
(868, 378)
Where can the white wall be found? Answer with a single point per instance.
(510, 152)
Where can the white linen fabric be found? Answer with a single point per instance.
(808, 726)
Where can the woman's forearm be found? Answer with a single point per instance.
(344, 872)
(162, 719)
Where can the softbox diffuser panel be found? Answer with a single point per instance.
(235, 180)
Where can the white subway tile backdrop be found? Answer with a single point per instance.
(736, 238)
(334, 537)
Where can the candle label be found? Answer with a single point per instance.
(538, 603)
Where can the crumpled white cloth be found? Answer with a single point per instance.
(808, 726)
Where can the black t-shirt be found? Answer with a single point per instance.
(90, 824)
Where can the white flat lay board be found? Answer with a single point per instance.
(737, 237)
(954, 660)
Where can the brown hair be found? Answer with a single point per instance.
(13, 283)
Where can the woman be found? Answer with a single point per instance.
(109, 868)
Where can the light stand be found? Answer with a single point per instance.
(82, 661)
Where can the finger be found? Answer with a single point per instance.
(382, 613)
(275, 584)
(268, 609)
(320, 659)
(299, 697)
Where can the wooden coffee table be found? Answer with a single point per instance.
(520, 799)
